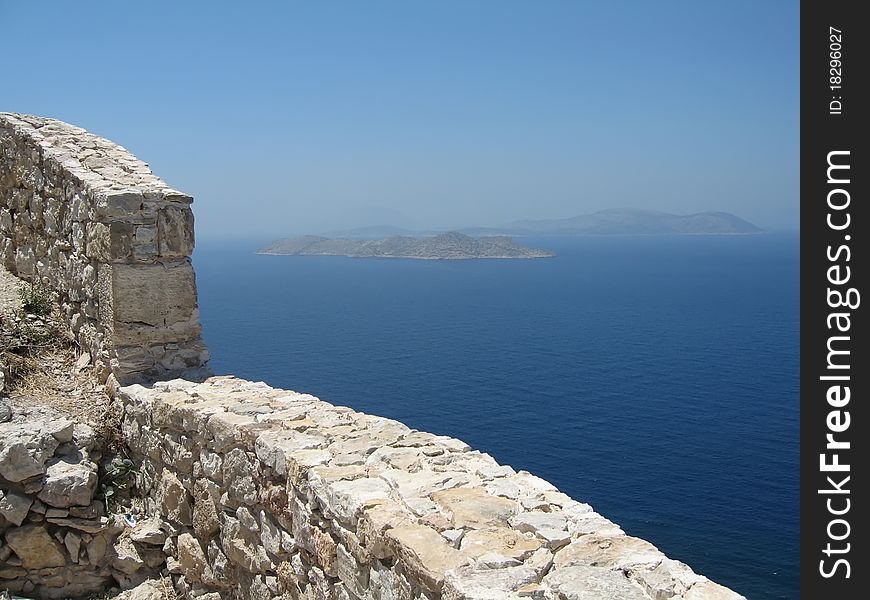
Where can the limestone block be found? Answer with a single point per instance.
(552, 527)
(5, 220)
(175, 232)
(69, 483)
(425, 553)
(581, 582)
(615, 552)
(86, 525)
(24, 451)
(206, 522)
(25, 261)
(128, 361)
(73, 543)
(468, 583)
(94, 510)
(113, 205)
(145, 243)
(148, 532)
(14, 506)
(21, 198)
(325, 550)
(78, 207)
(78, 238)
(383, 584)
(302, 529)
(418, 484)
(473, 507)
(222, 569)
(355, 576)
(150, 589)
(52, 217)
(149, 304)
(127, 556)
(242, 548)
(346, 499)
(109, 242)
(174, 499)
(36, 548)
(500, 540)
(7, 250)
(212, 465)
(592, 522)
(96, 548)
(237, 473)
(274, 448)
(273, 537)
(194, 564)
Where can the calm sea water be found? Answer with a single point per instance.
(655, 378)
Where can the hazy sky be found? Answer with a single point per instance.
(291, 117)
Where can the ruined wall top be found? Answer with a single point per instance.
(101, 165)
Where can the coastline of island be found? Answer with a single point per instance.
(445, 246)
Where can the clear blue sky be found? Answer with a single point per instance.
(285, 117)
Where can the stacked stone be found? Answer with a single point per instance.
(55, 540)
(268, 493)
(89, 219)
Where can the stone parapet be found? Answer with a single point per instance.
(270, 493)
(87, 218)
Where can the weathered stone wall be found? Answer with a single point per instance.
(90, 220)
(55, 538)
(269, 493)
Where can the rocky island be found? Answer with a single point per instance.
(444, 246)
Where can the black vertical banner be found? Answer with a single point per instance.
(835, 368)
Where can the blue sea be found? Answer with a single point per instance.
(655, 378)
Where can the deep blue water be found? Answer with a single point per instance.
(655, 378)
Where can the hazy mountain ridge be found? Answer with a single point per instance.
(619, 221)
(451, 245)
(631, 221)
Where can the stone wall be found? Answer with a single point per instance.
(268, 493)
(56, 540)
(91, 221)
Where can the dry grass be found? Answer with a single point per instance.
(167, 589)
(39, 357)
(51, 378)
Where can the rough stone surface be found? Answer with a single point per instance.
(69, 483)
(279, 493)
(427, 555)
(14, 506)
(150, 589)
(54, 540)
(25, 447)
(194, 563)
(36, 548)
(592, 583)
(92, 221)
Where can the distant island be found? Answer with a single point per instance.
(623, 221)
(618, 221)
(443, 246)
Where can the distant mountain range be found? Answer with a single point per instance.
(621, 221)
(451, 245)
